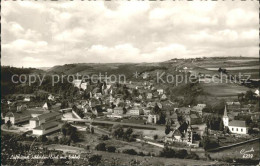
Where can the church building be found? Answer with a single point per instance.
(234, 126)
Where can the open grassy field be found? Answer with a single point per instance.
(223, 89)
(235, 152)
(234, 66)
(124, 159)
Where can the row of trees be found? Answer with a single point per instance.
(119, 133)
(102, 147)
(171, 153)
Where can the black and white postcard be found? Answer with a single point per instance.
(129, 83)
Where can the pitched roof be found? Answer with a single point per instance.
(48, 115)
(225, 112)
(46, 125)
(18, 115)
(237, 123)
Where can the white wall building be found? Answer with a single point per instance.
(47, 128)
(234, 126)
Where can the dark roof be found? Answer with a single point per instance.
(118, 108)
(17, 115)
(48, 115)
(46, 125)
(237, 123)
(193, 116)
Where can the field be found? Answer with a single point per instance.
(235, 152)
(223, 89)
(124, 159)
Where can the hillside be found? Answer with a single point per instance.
(174, 67)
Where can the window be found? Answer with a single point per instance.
(237, 129)
(232, 129)
(241, 130)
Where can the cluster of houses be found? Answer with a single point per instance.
(41, 120)
(104, 100)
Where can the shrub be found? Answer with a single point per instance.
(101, 147)
(104, 137)
(193, 156)
(181, 153)
(141, 154)
(130, 151)
(111, 149)
(167, 152)
(95, 159)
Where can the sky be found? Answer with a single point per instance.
(45, 34)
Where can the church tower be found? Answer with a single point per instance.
(225, 117)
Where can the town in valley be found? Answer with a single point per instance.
(138, 121)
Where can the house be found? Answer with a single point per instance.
(174, 136)
(233, 106)
(47, 128)
(84, 85)
(198, 108)
(159, 105)
(109, 110)
(172, 119)
(29, 98)
(234, 126)
(136, 111)
(77, 83)
(156, 95)
(17, 117)
(255, 117)
(51, 97)
(21, 107)
(118, 110)
(46, 106)
(193, 119)
(98, 95)
(140, 97)
(145, 75)
(45, 118)
(160, 91)
(147, 111)
(184, 110)
(153, 118)
(149, 96)
(150, 104)
(163, 97)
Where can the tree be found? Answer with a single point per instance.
(167, 129)
(118, 132)
(209, 144)
(95, 159)
(162, 118)
(42, 138)
(155, 137)
(8, 124)
(128, 133)
(167, 152)
(221, 126)
(56, 139)
(71, 131)
(92, 130)
(226, 130)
